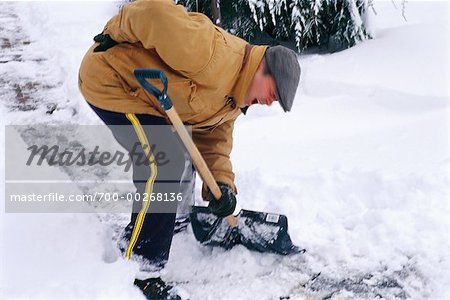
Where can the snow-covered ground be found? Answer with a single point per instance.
(361, 167)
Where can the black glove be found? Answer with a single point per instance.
(105, 41)
(226, 204)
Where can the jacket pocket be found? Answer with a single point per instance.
(132, 91)
(185, 100)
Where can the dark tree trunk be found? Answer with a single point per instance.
(215, 9)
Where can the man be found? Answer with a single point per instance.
(213, 77)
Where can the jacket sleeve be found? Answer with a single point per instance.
(215, 148)
(184, 41)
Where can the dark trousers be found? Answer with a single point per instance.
(148, 236)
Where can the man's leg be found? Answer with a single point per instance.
(151, 228)
(148, 236)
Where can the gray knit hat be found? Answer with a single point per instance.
(282, 64)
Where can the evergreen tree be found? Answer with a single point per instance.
(301, 24)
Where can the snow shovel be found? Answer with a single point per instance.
(258, 231)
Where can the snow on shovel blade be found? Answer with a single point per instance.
(258, 231)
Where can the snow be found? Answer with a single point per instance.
(361, 167)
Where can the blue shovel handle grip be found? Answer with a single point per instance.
(143, 74)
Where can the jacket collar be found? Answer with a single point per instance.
(252, 58)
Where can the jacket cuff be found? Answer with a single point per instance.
(221, 178)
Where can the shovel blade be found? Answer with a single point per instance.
(257, 231)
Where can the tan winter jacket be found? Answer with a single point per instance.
(208, 69)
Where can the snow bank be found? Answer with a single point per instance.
(61, 256)
(360, 165)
